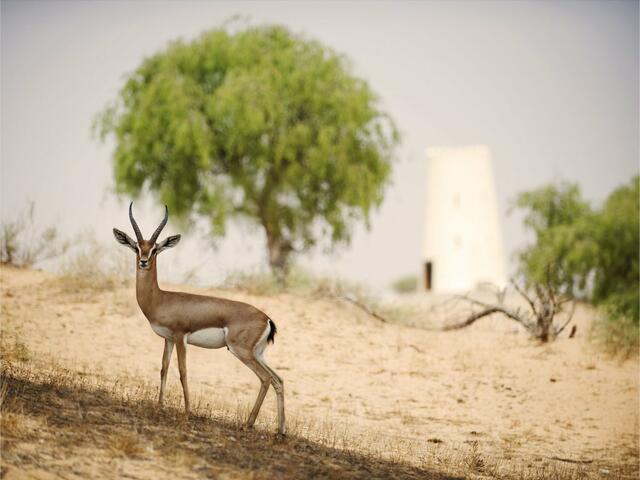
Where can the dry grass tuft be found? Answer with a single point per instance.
(125, 444)
(11, 425)
(13, 350)
(474, 460)
(85, 270)
(304, 283)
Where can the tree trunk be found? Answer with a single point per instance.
(545, 332)
(279, 255)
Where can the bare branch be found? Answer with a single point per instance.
(488, 309)
(545, 305)
(467, 298)
(362, 306)
(525, 296)
(564, 299)
(471, 319)
(573, 309)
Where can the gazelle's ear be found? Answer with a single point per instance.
(125, 239)
(168, 242)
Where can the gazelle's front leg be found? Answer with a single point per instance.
(181, 345)
(166, 360)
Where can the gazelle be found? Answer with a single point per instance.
(185, 319)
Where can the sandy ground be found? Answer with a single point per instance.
(484, 384)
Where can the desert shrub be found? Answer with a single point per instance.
(614, 328)
(588, 253)
(88, 270)
(22, 244)
(563, 245)
(13, 349)
(408, 284)
(253, 282)
(616, 265)
(300, 281)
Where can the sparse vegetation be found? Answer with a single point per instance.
(408, 284)
(305, 283)
(588, 253)
(23, 245)
(540, 317)
(74, 417)
(103, 420)
(88, 270)
(126, 444)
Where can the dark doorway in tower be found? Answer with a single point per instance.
(428, 276)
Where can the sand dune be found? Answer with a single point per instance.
(518, 400)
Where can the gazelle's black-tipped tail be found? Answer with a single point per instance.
(272, 331)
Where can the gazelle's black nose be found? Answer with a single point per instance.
(144, 262)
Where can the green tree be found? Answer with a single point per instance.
(616, 270)
(261, 124)
(563, 247)
(587, 253)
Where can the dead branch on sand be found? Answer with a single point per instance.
(362, 306)
(544, 305)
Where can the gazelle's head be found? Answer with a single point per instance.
(146, 250)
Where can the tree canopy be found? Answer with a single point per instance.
(563, 245)
(261, 124)
(586, 252)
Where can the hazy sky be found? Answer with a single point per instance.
(550, 87)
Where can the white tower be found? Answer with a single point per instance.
(463, 239)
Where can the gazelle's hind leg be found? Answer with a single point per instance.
(276, 381)
(265, 380)
(252, 358)
(278, 386)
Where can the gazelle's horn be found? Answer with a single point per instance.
(134, 224)
(154, 237)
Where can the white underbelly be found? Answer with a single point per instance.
(164, 332)
(208, 338)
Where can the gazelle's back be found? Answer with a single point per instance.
(196, 312)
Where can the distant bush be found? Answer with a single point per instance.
(84, 270)
(298, 280)
(408, 284)
(302, 282)
(615, 330)
(588, 253)
(23, 245)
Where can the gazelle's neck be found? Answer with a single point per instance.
(147, 289)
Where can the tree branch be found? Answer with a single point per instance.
(362, 306)
(471, 319)
(514, 315)
(573, 309)
(525, 296)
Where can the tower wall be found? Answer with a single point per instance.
(463, 239)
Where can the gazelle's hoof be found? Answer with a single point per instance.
(281, 437)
